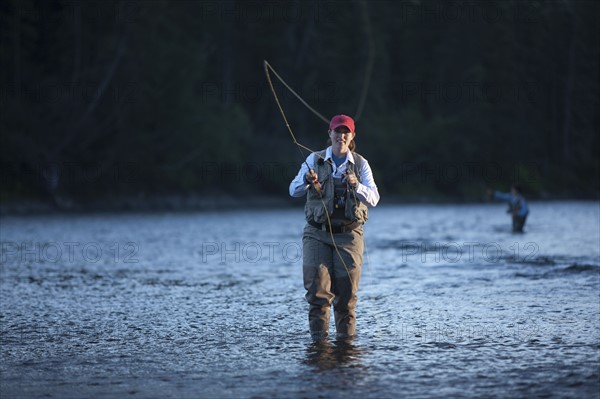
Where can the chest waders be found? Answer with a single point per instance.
(351, 241)
(349, 210)
(333, 250)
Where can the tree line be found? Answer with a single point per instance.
(119, 98)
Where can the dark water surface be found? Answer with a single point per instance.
(211, 305)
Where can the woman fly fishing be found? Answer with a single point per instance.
(338, 184)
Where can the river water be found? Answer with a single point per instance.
(451, 303)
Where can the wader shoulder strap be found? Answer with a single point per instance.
(320, 156)
(358, 164)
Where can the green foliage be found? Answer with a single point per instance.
(114, 98)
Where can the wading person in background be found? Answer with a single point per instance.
(517, 206)
(338, 187)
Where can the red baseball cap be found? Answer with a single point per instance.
(341, 120)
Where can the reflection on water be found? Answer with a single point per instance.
(212, 305)
(324, 354)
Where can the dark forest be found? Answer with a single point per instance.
(140, 99)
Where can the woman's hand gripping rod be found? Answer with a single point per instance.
(314, 179)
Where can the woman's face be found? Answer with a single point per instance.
(341, 138)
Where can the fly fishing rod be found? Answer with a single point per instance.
(316, 183)
(299, 146)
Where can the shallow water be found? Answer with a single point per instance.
(211, 305)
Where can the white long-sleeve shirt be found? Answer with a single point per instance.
(366, 190)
